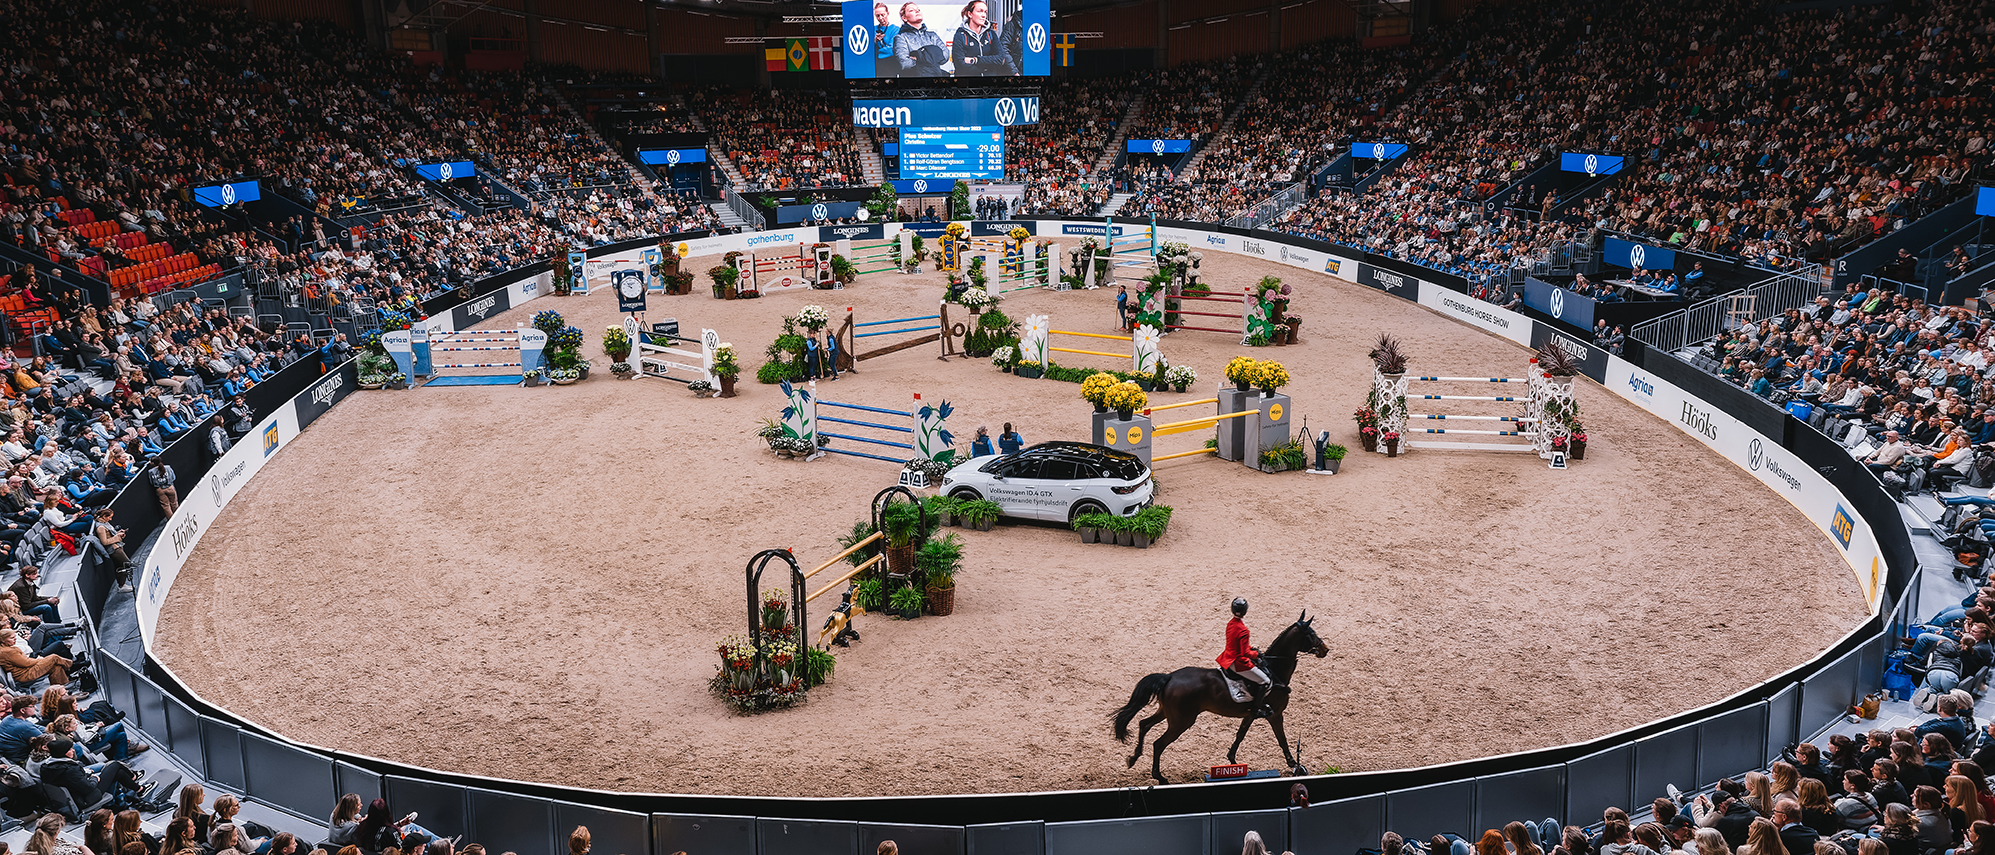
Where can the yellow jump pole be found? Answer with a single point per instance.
(1184, 454)
(1202, 421)
(841, 556)
(1091, 335)
(1089, 352)
(1185, 404)
(845, 578)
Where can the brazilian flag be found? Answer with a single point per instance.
(798, 55)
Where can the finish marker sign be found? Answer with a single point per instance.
(947, 153)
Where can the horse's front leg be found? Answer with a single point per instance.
(1281, 737)
(1232, 754)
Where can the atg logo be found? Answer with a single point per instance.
(1333, 266)
(270, 439)
(1558, 302)
(1842, 526)
(1637, 254)
(1641, 387)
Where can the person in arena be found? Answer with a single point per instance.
(918, 49)
(1243, 659)
(978, 52)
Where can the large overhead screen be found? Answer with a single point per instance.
(986, 38)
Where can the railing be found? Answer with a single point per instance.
(1872, 280)
(1270, 209)
(745, 210)
(1705, 320)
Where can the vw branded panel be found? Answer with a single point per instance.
(946, 112)
(448, 171)
(1625, 253)
(228, 194)
(1563, 305)
(1590, 164)
(672, 156)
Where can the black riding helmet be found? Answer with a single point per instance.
(1239, 606)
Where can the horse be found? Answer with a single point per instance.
(1185, 693)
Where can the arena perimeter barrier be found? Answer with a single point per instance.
(1571, 782)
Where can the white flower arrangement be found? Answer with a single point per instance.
(813, 317)
(1002, 356)
(975, 298)
(1181, 375)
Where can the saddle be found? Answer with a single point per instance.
(1237, 686)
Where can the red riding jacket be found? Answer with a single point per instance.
(1239, 655)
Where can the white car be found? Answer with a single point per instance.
(1055, 481)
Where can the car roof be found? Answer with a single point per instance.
(1077, 450)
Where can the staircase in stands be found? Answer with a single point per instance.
(1225, 127)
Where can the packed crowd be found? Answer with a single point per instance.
(1055, 159)
(783, 139)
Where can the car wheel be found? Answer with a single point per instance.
(1088, 506)
(966, 495)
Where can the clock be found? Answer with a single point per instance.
(631, 287)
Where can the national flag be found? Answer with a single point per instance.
(775, 55)
(797, 55)
(1064, 43)
(825, 54)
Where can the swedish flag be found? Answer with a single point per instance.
(1064, 43)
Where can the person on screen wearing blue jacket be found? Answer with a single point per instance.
(884, 33)
(918, 49)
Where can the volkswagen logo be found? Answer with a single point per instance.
(820, 212)
(1558, 302)
(1637, 254)
(859, 38)
(1157, 146)
(443, 171)
(1035, 38)
(1754, 454)
(921, 185)
(228, 194)
(672, 157)
(1007, 111)
(1592, 164)
(1378, 151)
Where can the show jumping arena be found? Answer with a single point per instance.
(530, 583)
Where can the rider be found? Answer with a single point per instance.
(1243, 659)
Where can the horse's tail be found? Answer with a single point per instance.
(1147, 690)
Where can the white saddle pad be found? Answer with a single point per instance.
(1238, 688)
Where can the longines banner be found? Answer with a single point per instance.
(999, 228)
(1592, 360)
(852, 231)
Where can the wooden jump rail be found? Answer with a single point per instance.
(937, 327)
(841, 556)
(845, 578)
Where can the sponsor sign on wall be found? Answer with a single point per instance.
(1563, 305)
(1763, 458)
(480, 310)
(998, 228)
(868, 231)
(1474, 312)
(1592, 360)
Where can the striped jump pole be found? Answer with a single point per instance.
(924, 328)
(1466, 397)
(1483, 432)
(1473, 418)
(1477, 379)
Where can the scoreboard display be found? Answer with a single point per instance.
(952, 153)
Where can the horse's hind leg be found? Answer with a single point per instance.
(1143, 730)
(1233, 753)
(1157, 748)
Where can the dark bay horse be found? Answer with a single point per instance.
(1185, 693)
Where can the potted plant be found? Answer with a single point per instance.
(534, 376)
(1089, 526)
(975, 298)
(701, 389)
(616, 346)
(979, 514)
(1578, 441)
(1333, 457)
(1144, 529)
(939, 559)
(942, 508)
(1388, 358)
(1125, 398)
(905, 602)
(842, 269)
(1123, 528)
(1269, 376)
(902, 524)
(1391, 439)
(1094, 389)
(1003, 357)
(813, 318)
(726, 367)
(725, 278)
(1367, 419)
(1181, 377)
(1294, 327)
(1029, 369)
(870, 594)
(1240, 370)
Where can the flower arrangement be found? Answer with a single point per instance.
(393, 320)
(1271, 288)
(736, 654)
(1390, 436)
(549, 321)
(975, 298)
(1559, 443)
(725, 364)
(1003, 356)
(1095, 388)
(565, 338)
(775, 600)
(371, 341)
(701, 388)
(1019, 233)
(1387, 356)
(1240, 369)
(1269, 375)
(616, 343)
(781, 654)
(813, 317)
(1181, 376)
(1366, 417)
(954, 230)
(1126, 396)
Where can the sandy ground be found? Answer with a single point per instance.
(529, 583)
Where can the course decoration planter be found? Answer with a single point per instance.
(980, 514)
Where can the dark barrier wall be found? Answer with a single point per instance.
(1571, 782)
